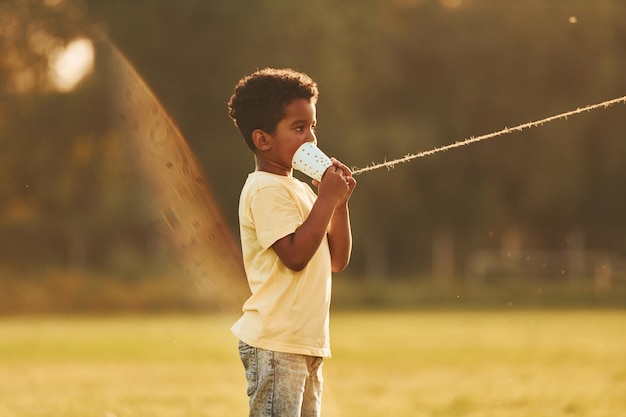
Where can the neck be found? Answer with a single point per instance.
(262, 165)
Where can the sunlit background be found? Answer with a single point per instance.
(533, 218)
(486, 281)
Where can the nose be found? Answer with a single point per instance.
(312, 138)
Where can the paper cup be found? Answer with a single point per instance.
(310, 160)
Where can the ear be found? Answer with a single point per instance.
(261, 140)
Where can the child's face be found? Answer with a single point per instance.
(296, 128)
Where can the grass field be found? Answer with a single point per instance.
(439, 364)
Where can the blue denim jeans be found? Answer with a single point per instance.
(282, 384)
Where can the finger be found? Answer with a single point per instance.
(342, 166)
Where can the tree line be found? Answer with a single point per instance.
(395, 77)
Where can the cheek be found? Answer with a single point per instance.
(293, 148)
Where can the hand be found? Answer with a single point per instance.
(337, 172)
(350, 181)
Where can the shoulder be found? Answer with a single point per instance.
(257, 181)
(269, 190)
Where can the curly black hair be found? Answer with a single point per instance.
(259, 99)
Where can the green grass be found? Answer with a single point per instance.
(439, 364)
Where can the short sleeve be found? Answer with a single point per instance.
(275, 214)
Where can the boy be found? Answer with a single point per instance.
(292, 240)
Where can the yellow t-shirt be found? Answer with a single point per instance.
(288, 311)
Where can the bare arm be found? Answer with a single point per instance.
(297, 249)
(340, 239)
(340, 233)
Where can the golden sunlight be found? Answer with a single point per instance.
(451, 4)
(71, 64)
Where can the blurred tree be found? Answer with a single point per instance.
(396, 77)
(67, 196)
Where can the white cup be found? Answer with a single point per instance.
(310, 160)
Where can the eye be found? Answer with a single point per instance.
(303, 128)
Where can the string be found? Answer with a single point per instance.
(391, 164)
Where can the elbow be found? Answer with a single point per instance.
(298, 266)
(295, 265)
(339, 266)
